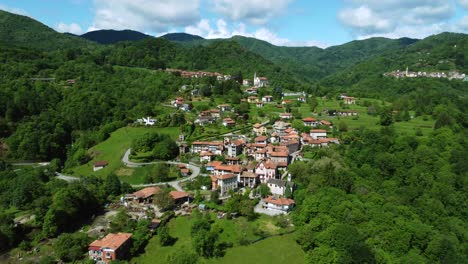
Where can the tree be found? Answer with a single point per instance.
(342, 126)
(112, 185)
(386, 117)
(313, 103)
(214, 197)
(70, 246)
(264, 190)
(164, 199)
(165, 239)
(288, 193)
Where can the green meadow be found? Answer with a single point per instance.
(277, 247)
(112, 149)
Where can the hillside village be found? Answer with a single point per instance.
(444, 75)
(246, 159)
(121, 147)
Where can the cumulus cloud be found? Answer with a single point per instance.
(223, 30)
(463, 3)
(462, 25)
(251, 11)
(13, 10)
(397, 18)
(144, 15)
(73, 28)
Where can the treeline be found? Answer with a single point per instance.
(48, 206)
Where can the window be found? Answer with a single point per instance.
(108, 255)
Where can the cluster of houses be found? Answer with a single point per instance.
(200, 74)
(409, 74)
(268, 153)
(116, 246)
(213, 115)
(179, 103)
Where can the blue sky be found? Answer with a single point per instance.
(281, 22)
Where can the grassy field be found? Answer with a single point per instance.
(274, 249)
(112, 149)
(363, 119)
(138, 175)
(279, 249)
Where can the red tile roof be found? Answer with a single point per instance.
(146, 192)
(225, 176)
(278, 201)
(178, 195)
(101, 163)
(214, 143)
(279, 154)
(261, 138)
(309, 119)
(326, 123)
(112, 241)
(318, 131)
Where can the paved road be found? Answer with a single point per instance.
(195, 171)
(175, 184)
(67, 178)
(37, 164)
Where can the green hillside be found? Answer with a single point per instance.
(313, 63)
(17, 30)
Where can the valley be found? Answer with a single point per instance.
(120, 147)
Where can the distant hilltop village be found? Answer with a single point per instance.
(199, 74)
(409, 74)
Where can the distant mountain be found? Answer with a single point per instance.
(109, 36)
(22, 31)
(182, 37)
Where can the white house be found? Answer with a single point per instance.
(267, 98)
(228, 122)
(349, 100)
(260, 81)
(224, 182)
(206, 156)
(318, 133)
(278, 187)
(278, 204)
(98, 165)
(310, 121)
(147, 121)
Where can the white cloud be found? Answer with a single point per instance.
(463, 3)
(223, 30)
(144, 15)
(73, 28)
(397, 18)
(462, 25)
(13, 10)
(251, 11)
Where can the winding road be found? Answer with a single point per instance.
(125, 160)
(175, 184)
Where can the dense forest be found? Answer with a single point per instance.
(379, 197)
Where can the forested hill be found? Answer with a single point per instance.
(226, 57)
(113, 36)
(181, 37)
(22, 31)
(314, 63)
(443, 52)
